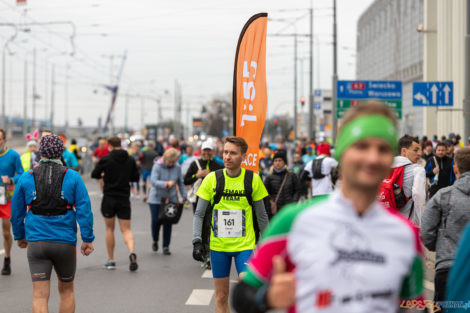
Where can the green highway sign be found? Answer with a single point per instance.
(342, 105)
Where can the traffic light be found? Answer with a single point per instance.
(302, 101)
(275, 121)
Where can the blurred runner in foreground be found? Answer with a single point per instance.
(346, 252)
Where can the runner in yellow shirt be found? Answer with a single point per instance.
(230, 206)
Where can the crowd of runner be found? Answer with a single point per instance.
(347, 227)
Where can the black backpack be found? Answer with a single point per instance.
(219, 193)
(316, 168)
(48, 179)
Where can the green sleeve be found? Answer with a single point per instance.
(412, 286)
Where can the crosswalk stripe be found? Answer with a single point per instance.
(2, 251)
(207, 274)
(200, 297)
(429, 285)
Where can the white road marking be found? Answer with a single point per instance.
(200, 297)
(2, 251)
(207, 274)
(429, 285)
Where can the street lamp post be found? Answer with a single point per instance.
(5, 47)
(66, 122)
(25, 99)
(295, 87)
(466, 101)
(35, 95)
(25, 28)
(335, 77)
(50, 116)
(33, 117)
(52, 97)
(142, 113)
(126, 110)
(311, 116)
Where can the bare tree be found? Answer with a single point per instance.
(217, 115)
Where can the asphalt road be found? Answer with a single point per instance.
(161, 284)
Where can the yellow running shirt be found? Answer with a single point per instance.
(232, 219)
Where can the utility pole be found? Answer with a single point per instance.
(142, 113)
(181, 112)
(311, 116)
(46, 90)
(301, 60)
(335, 77)
(188, 123)
(52, 96)
(466, 101)
(295, 87)
(295, 35)
(66, 98)
(5, 47)
(126, 111)
(4, 124)
(178, 109)
(25, 98)
(159, 113)
(33, 111)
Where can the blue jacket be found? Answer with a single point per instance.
(10, 165)
(60, 228)
(70, 159)
(160, 174)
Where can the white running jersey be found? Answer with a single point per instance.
(350, 263)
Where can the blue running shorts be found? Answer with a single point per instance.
(222, 261)
(146, 175)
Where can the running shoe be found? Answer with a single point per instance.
(110, 265)
(155, 246)
(6, 270)
(166, 251)
(133, 265)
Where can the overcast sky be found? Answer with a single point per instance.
(190, 41)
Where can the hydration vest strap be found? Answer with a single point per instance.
(69, 207)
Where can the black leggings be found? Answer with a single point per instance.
(440, 283)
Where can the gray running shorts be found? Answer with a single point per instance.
(43, 255)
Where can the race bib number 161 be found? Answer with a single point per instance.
(229, 223)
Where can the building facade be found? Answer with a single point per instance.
(444, 32)
(389, 47)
